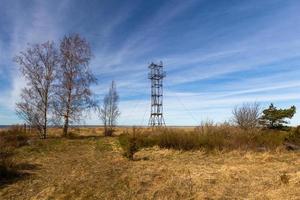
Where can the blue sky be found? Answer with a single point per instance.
(217, 54)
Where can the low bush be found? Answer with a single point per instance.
(108, 132)
(14, 137)
(181, 140)
(129, 144)
(72, 134)
(132, 142)
(270, 139)
(294, 136)
(10, 139)
(177, 140)
(7, 165)
(208, 137)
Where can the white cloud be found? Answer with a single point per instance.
(218, 54)
(39, 25)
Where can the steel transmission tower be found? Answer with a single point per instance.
(156, 76)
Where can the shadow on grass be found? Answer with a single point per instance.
(16, 173)
(27, 166)
(144, 158)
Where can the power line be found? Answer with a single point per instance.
(188, 111)
(133, 110)
(144, 116)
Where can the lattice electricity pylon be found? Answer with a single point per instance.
(156, 76)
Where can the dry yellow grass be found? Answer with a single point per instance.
(98, 131)
(94, 168)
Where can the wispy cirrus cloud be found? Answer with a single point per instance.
(216, 54)
(26, 25)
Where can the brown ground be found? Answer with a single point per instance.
(94, 168)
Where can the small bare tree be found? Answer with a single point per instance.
(109, 111)
(247, 116)
(38, 64)
(73, 93)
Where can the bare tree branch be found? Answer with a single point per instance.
(73, 93)
(38, 64)
(247, 115)
(109, 112)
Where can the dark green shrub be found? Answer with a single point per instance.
(133, 142)
(129, 144)
(294, 136)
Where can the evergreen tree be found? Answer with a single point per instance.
(276, 118)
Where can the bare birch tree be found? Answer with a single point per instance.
(38, 64)
(109, 111)
(247, 116)
(73, 93)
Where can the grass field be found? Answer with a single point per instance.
(92, 167)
